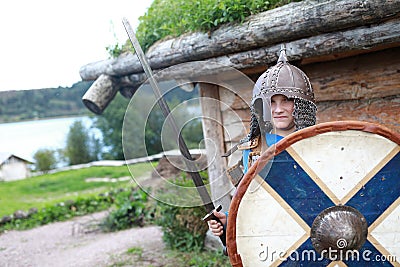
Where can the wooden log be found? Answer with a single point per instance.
(384, 111)
(289, 22)
(236, 117)
(126, 88)
(235, 131)
(329, 46)
(375, 75)
(284, 24)
(100, 94)
(213, 131)
(236, 101)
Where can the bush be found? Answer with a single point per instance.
(131, 210)
(175, 17)
(183, 228)
(45, 160)
(60, 212)
(81, 147)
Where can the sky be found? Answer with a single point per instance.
(44, 43)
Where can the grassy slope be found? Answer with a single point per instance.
(48, 189)
(43, 190)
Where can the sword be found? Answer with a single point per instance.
(201, 189)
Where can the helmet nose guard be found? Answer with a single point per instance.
(260, 105)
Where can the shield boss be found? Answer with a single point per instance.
(338, 229)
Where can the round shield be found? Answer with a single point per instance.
(327, 195)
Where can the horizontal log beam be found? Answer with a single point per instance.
(284, 24)
(383, 111)
(375, 75)
(334, 45)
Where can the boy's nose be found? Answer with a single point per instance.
(278, 107)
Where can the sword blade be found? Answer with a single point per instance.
(201, 189)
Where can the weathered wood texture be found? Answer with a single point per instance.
(384, 111)
(100, 94)
(281, 25)
(321, 48)
(235, 114)
(364, 87)
(296, 21)
(213, 132)
(375, 75)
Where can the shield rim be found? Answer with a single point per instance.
(274, 150)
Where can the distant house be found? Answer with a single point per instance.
(13, 167)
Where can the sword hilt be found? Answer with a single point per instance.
(211, 216)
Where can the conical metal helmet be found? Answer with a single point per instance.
(285, 79)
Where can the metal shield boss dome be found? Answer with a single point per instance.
(338, 230)
(286, 79)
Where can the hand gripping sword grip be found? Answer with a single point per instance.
(211, 216)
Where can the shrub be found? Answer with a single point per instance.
(167, 18)
(132, 209)
(183, 228)
(61, 211)
(81, 147)
(45, 159)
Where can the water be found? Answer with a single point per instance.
(23, 139)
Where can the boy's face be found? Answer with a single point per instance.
(282, 112)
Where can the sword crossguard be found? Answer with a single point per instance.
(211, 216)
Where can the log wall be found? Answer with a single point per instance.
(363, 87)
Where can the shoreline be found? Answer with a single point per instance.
(48, 118)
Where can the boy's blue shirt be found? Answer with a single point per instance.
(270, 138)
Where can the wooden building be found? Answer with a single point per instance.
(349, 49)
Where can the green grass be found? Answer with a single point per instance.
(170, 258)
(203, 258)
(138, 251)
(48, 189)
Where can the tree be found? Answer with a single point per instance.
(193, 134)
(81, 147)
(45, 160)
(110, 124)
(43, 103)
(153, 129)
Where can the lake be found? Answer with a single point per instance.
(23, 139)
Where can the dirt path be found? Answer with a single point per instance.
(75, 243)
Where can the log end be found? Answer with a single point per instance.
(100, 94)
